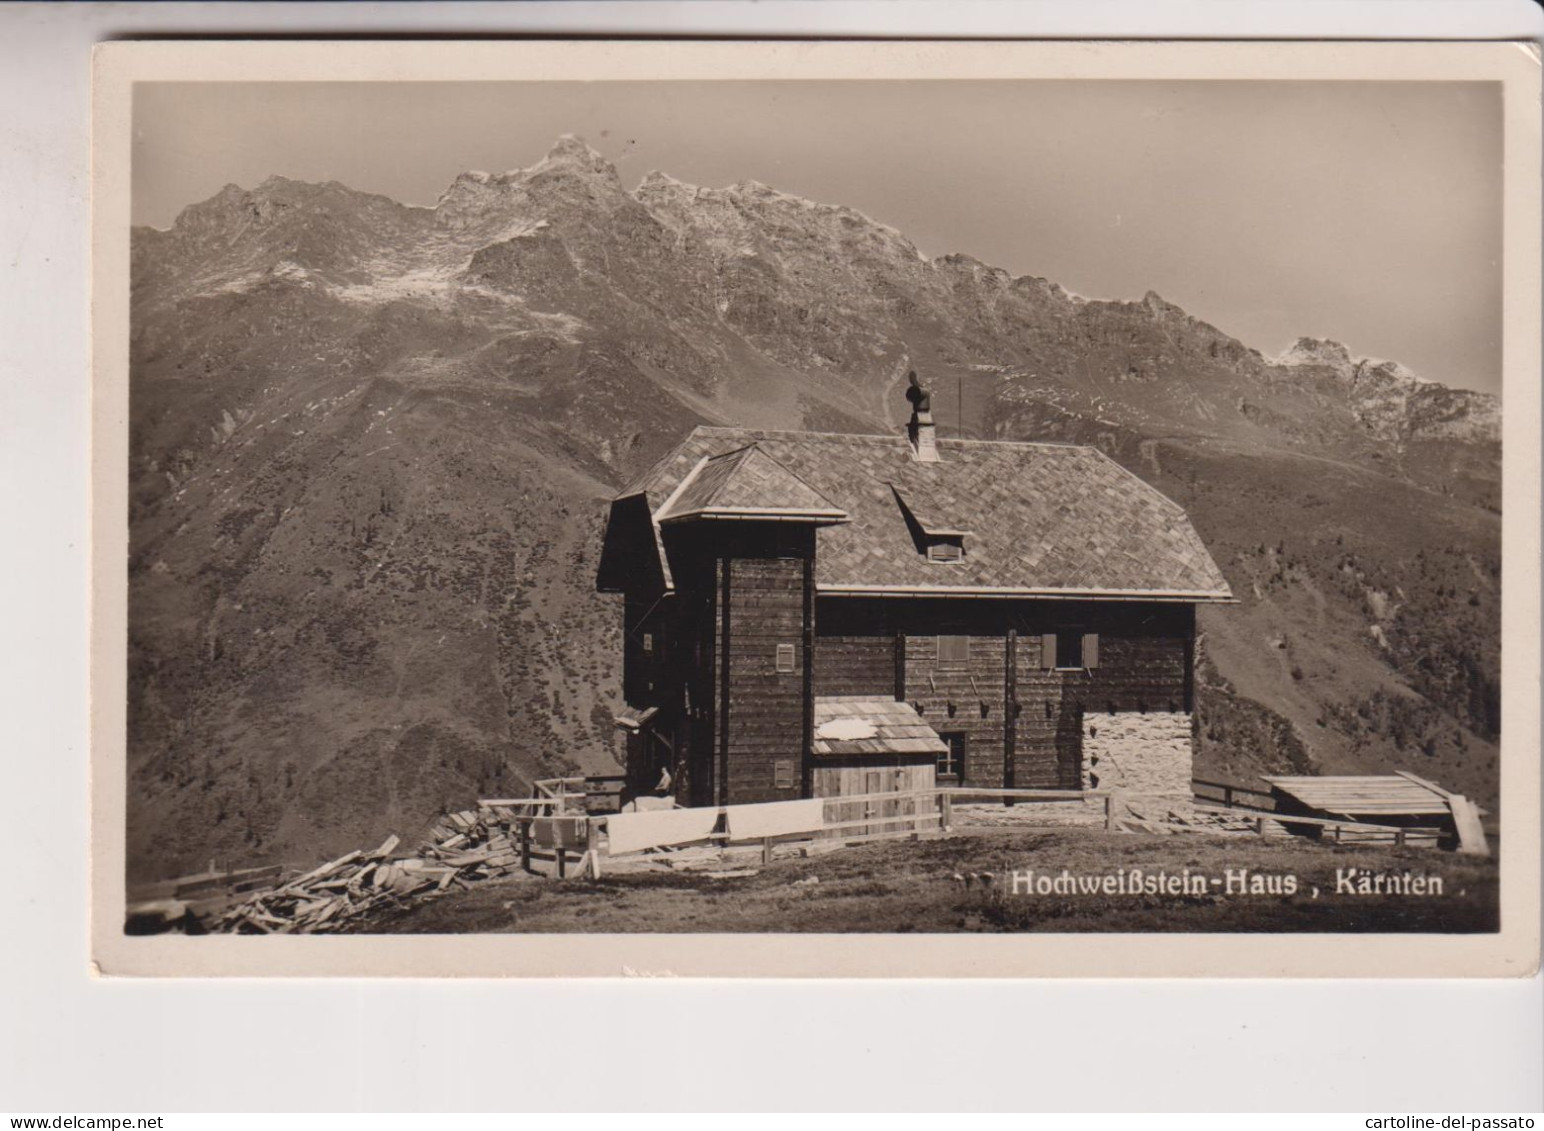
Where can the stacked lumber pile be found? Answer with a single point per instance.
(462, 848)
(477, 840)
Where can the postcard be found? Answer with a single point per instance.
(816, 509)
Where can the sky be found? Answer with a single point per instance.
(1366, 212)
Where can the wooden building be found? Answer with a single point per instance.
(1030, 607)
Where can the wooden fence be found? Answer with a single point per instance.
(1231, 796)
(555, 826)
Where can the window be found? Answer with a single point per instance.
(953, 651)
(785, 657)
(782, 771)
(648, 642)
(951, 763)
(1069, 650)
(945, 551)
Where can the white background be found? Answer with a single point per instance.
(72, 1043)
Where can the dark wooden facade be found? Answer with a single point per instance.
(733, 657)
(725, 659)
(1020, 716)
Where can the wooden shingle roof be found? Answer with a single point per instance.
(896, 727)
(1052, 519)
(1385, 795)
(746, 483)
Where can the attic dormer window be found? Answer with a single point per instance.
(946, 550)
(927, 519)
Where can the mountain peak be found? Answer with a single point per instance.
(1162, 307)
(1319, 351)
(572, 151)
(654, 179)
(572, 143)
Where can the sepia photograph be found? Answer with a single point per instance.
(839, 509)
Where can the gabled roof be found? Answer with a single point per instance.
(891, 727)
(1045, 519)
(746, 483)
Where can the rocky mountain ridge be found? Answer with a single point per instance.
(525, 233)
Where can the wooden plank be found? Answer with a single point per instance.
(926, 833)
(1433, 786)
(1229, 786)
(388, 846)
(235, 881)
(1411, 794)
(1310, 778)
(1289, 819)
(326, 869)
(871, 821)
(1471, 835)
(1393, 790)
(1022, 794)
(517, 802)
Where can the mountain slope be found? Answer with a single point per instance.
(371, 446)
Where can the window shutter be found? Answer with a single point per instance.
(953, 651)
(1090, 649)
(1048, 651)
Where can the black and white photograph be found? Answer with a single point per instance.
(802, 505)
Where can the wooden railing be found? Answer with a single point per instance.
(564, 831)
(962, 791)
(554, 796)
(1234, 796)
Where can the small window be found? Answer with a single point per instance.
(782, 771)
(945, 551)
(1069, 649)
(785, 657)
(648, 642)
(1073, 651)
(951, 763)
(953, 651)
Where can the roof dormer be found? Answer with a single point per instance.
(935, 537)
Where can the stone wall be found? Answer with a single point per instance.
(1139, 753)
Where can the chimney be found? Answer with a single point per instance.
(919, 430)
